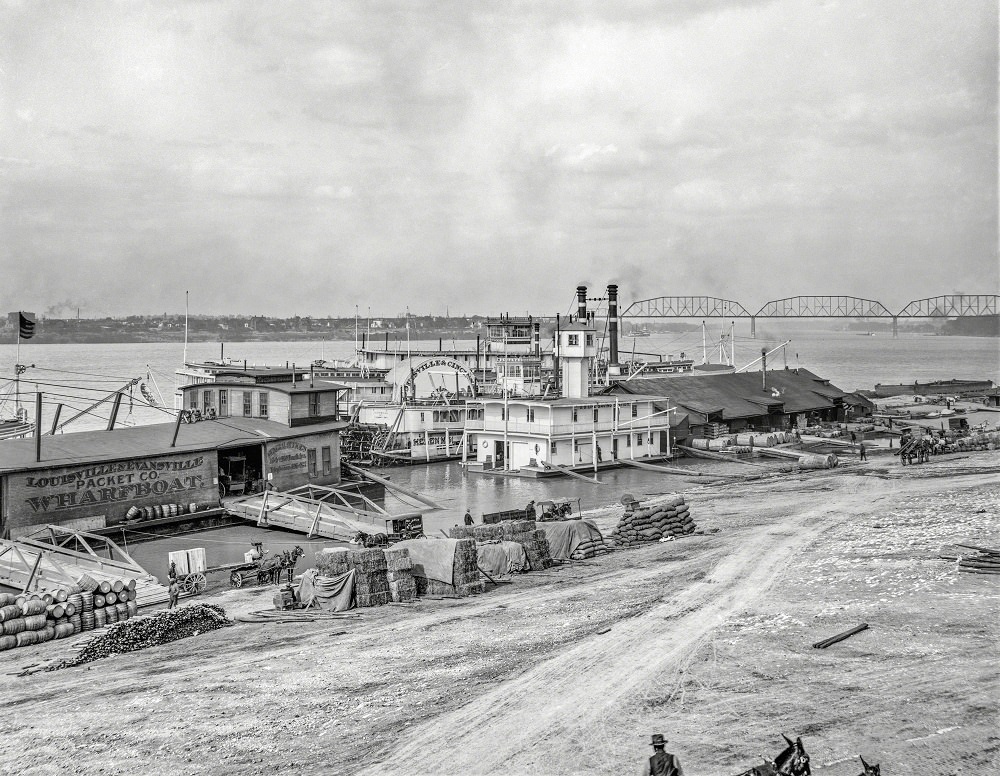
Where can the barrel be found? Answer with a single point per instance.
(7, 599)
(110, 599)
(88, 601)
(718, 444)
(812, 461)
(48, 598)
(77, 600)
(60, 596)
(132, 594)
(117, 586)
(70, 609)
(11, 627)
(87, 621)
(7, 642)
(98, 601)
(9, 612)
(104, 588)
(132, 514)
(112, 614)
(55, 611)
(192, 508)
(122, 610)
(133, 608)
(34, 606)
(27, 637)
(130, 584)
(77, 622)
(46, 634)
(35, 622)
(63, 630)
(87, 583)
(100, 617)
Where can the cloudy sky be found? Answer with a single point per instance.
(306, 157)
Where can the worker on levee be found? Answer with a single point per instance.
(174, 591)
(662, 763)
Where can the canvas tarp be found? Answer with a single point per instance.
(431, 558)
(501, 558)
(565, 536)
(332, 594)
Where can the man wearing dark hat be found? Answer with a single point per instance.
(662, 763)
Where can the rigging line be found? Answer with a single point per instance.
(71, 372)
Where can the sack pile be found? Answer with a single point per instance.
(402, 587)
(150, 630)
(650, 524)
(591, 549)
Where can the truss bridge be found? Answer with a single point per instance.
(947, 306)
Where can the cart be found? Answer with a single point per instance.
(398, 529)
(192, 584)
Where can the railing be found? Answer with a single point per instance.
(581, 428)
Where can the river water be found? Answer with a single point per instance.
(80, 374)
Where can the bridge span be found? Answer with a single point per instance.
(947, 306)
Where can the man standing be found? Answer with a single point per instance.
(174, 591)
(861, 449)
(662, 763)
(468, 517)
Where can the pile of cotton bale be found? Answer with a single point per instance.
(402, 586)
(524, 532)
(650, 524)
(371, 582)
(466, 579)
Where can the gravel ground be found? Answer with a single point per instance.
(706, 639)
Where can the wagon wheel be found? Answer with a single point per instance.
(236, 579)
(187, 584)
(198, 583)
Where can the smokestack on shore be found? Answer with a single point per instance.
(581, 304)
(613, 330)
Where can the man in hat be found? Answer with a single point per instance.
(468, 518)
(662, 763)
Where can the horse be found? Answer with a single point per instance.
(371, 540)
(288, 561)
(269, 570)
(792, 761)
(870, 770)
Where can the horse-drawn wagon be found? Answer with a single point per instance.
(262, 568)
(397, 529)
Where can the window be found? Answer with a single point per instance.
(590, 339)
(247, 404)
(597, 414)
(552, 448)
(628, 441)
(192, 400)
(311, 460)
(574, 415)
(573, 339)
(224, 403)
(635, 410)
(503, 413)
(638, 440)
(262, 405)
(327, 461)
(421, 417)
(206, 397)
(531, 414)
(313, 405)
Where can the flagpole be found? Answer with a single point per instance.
(17, 368)
(185, 328)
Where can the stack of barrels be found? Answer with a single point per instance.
(653, 523)
(36, 618)
(106, 602)
(162, 510)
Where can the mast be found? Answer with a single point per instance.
(704, 350)
(17, 370)
(185, 328)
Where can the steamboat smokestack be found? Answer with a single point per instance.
(613, 328)
(581, 304)
(537, 338)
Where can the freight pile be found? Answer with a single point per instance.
(524, 532)
(402, 587)
(466, 579)
(149, 631)
(162, 510)
(35, 618)
(371, 583)
(666, 518)
(975, 442)
(591, 548)
(740, 443)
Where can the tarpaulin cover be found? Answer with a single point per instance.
(332, 594)
(502, 558)
(431, 558)
(566, 535)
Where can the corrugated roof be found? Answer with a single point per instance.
(740, 395)
(85, 447)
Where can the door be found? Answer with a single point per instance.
(498, 456)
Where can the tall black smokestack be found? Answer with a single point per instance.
(581, 303)
(537, 337)
(613, 324)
